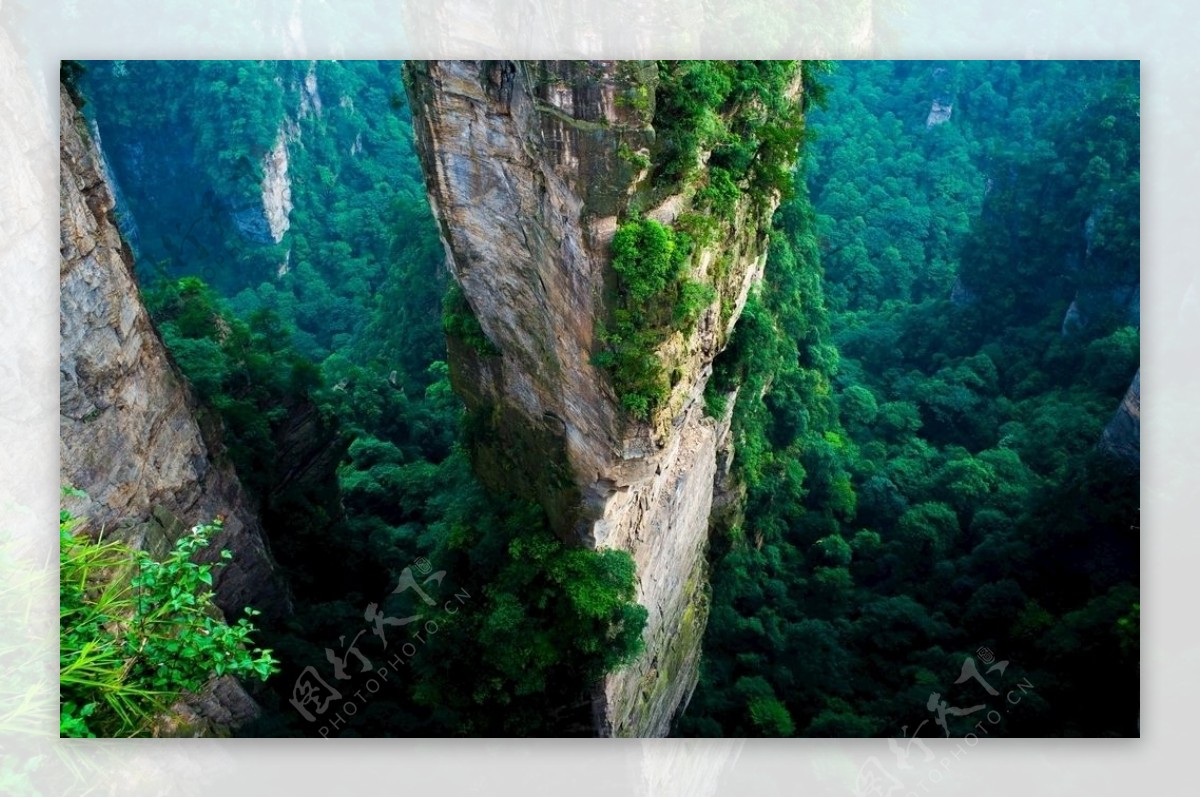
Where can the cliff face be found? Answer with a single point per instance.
(529, 167)
(1123, 435)
(129, 435)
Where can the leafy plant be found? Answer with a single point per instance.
(551, 620)
(459, 321)
(649, 257)
(694, 297)
(721, 194)
(137, 634)
(654, 297)
(248, 371)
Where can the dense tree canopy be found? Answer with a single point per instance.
(923, 474)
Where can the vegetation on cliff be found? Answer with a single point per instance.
(724, 131)
(138, 634)
(741, 114)
(654, 295)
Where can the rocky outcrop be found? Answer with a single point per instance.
(1108, 282)
(126, 224)
(221, 707)
(529, 167)
(129, 434)
(941, 107)
(1122, 302)
(310, 94)
(961, 295)
(1123, 436)
(277, 188)
(940, 112)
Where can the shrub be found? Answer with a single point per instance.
(137, 634)
(649, 257)
(551, 619)
(459, 321)
(770, 718)
(631, 359)
(653, 297)
(690, 94)
(694, 297)
(721, 194)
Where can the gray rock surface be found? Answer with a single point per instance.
(277, 187)
(1123, 435)
(129, 433)
(528, 169)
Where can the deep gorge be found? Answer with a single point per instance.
(698, 398)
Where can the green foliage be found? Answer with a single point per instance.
(248, 372)
(721, 194)
(69, 74)
(927, 531)
(694, 298)
(459, 321)
(741, 111)
(833, 550)
(137, 634)
(553, 618)
(770, 718)
(1108, 362)
(654, 297)
(816, 92)
(689, 98)
(639, 160)
(598, 617)
(920, 472)
(1128, 627)
(186, 141)
(859, 407)
(630, 356)
(716, 401)
(963, 502)
(649, 258)
(331, 341)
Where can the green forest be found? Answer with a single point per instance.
(947, 322)
(923, 474)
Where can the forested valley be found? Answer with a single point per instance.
(947, 324)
